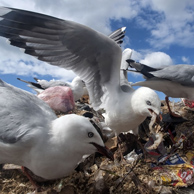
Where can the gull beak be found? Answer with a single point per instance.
(104, 150)
(158, 116)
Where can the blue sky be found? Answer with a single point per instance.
(160, 32)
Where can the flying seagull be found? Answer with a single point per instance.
(32, 136)
(176, 81)
(94, 57)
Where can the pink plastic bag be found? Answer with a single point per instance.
(59, 98)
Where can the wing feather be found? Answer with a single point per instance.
(94, 57)
(20, 112)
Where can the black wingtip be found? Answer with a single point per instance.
(36, 79)
(129, 61)
(32, 83)
(118, 35)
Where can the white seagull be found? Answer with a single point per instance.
(32, 136)
(94, 57)
(77, 86)
(176, 81)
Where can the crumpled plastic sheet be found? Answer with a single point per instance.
(176, 171)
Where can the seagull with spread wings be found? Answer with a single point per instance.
(94, 57)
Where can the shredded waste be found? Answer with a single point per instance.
(160, 160)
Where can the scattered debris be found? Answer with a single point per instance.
(188, 103)
(159, 161)
(132, 157)
(175, 171)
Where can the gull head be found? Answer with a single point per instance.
(78, 88)
(82, 136)
(78, 82)
(146, 102)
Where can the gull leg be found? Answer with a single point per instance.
(24, 170)
(170, 111)
(119, 147)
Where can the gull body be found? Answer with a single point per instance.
(32, 136)
(77, 86)
(135, 107)
(94, 57)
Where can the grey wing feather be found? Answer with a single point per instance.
(183, 74)
(65, 44)
(21, 113)
(118, 35)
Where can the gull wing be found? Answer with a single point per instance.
(141, 68)
(20, 113)
(94, 57)
(183, 74)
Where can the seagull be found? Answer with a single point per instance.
(32, 136)
(77, 86)
(93, 56)
(176, 81)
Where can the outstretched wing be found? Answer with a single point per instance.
(94, 57)
(183, 74)
(141, 68)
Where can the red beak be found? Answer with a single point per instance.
(104, 151)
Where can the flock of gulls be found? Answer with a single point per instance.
(32, 136)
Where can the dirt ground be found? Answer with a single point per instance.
(98, 174)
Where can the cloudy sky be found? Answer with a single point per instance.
(161, 32)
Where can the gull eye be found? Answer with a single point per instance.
(90, 134)
(148, 103)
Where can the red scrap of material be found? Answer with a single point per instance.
(187, 102)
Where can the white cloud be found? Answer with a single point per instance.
(136, 56)
(175, 24)
(169, 22)
(185, 59)
(34, 68)
(157, 59)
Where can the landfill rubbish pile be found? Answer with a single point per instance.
(139, 167)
